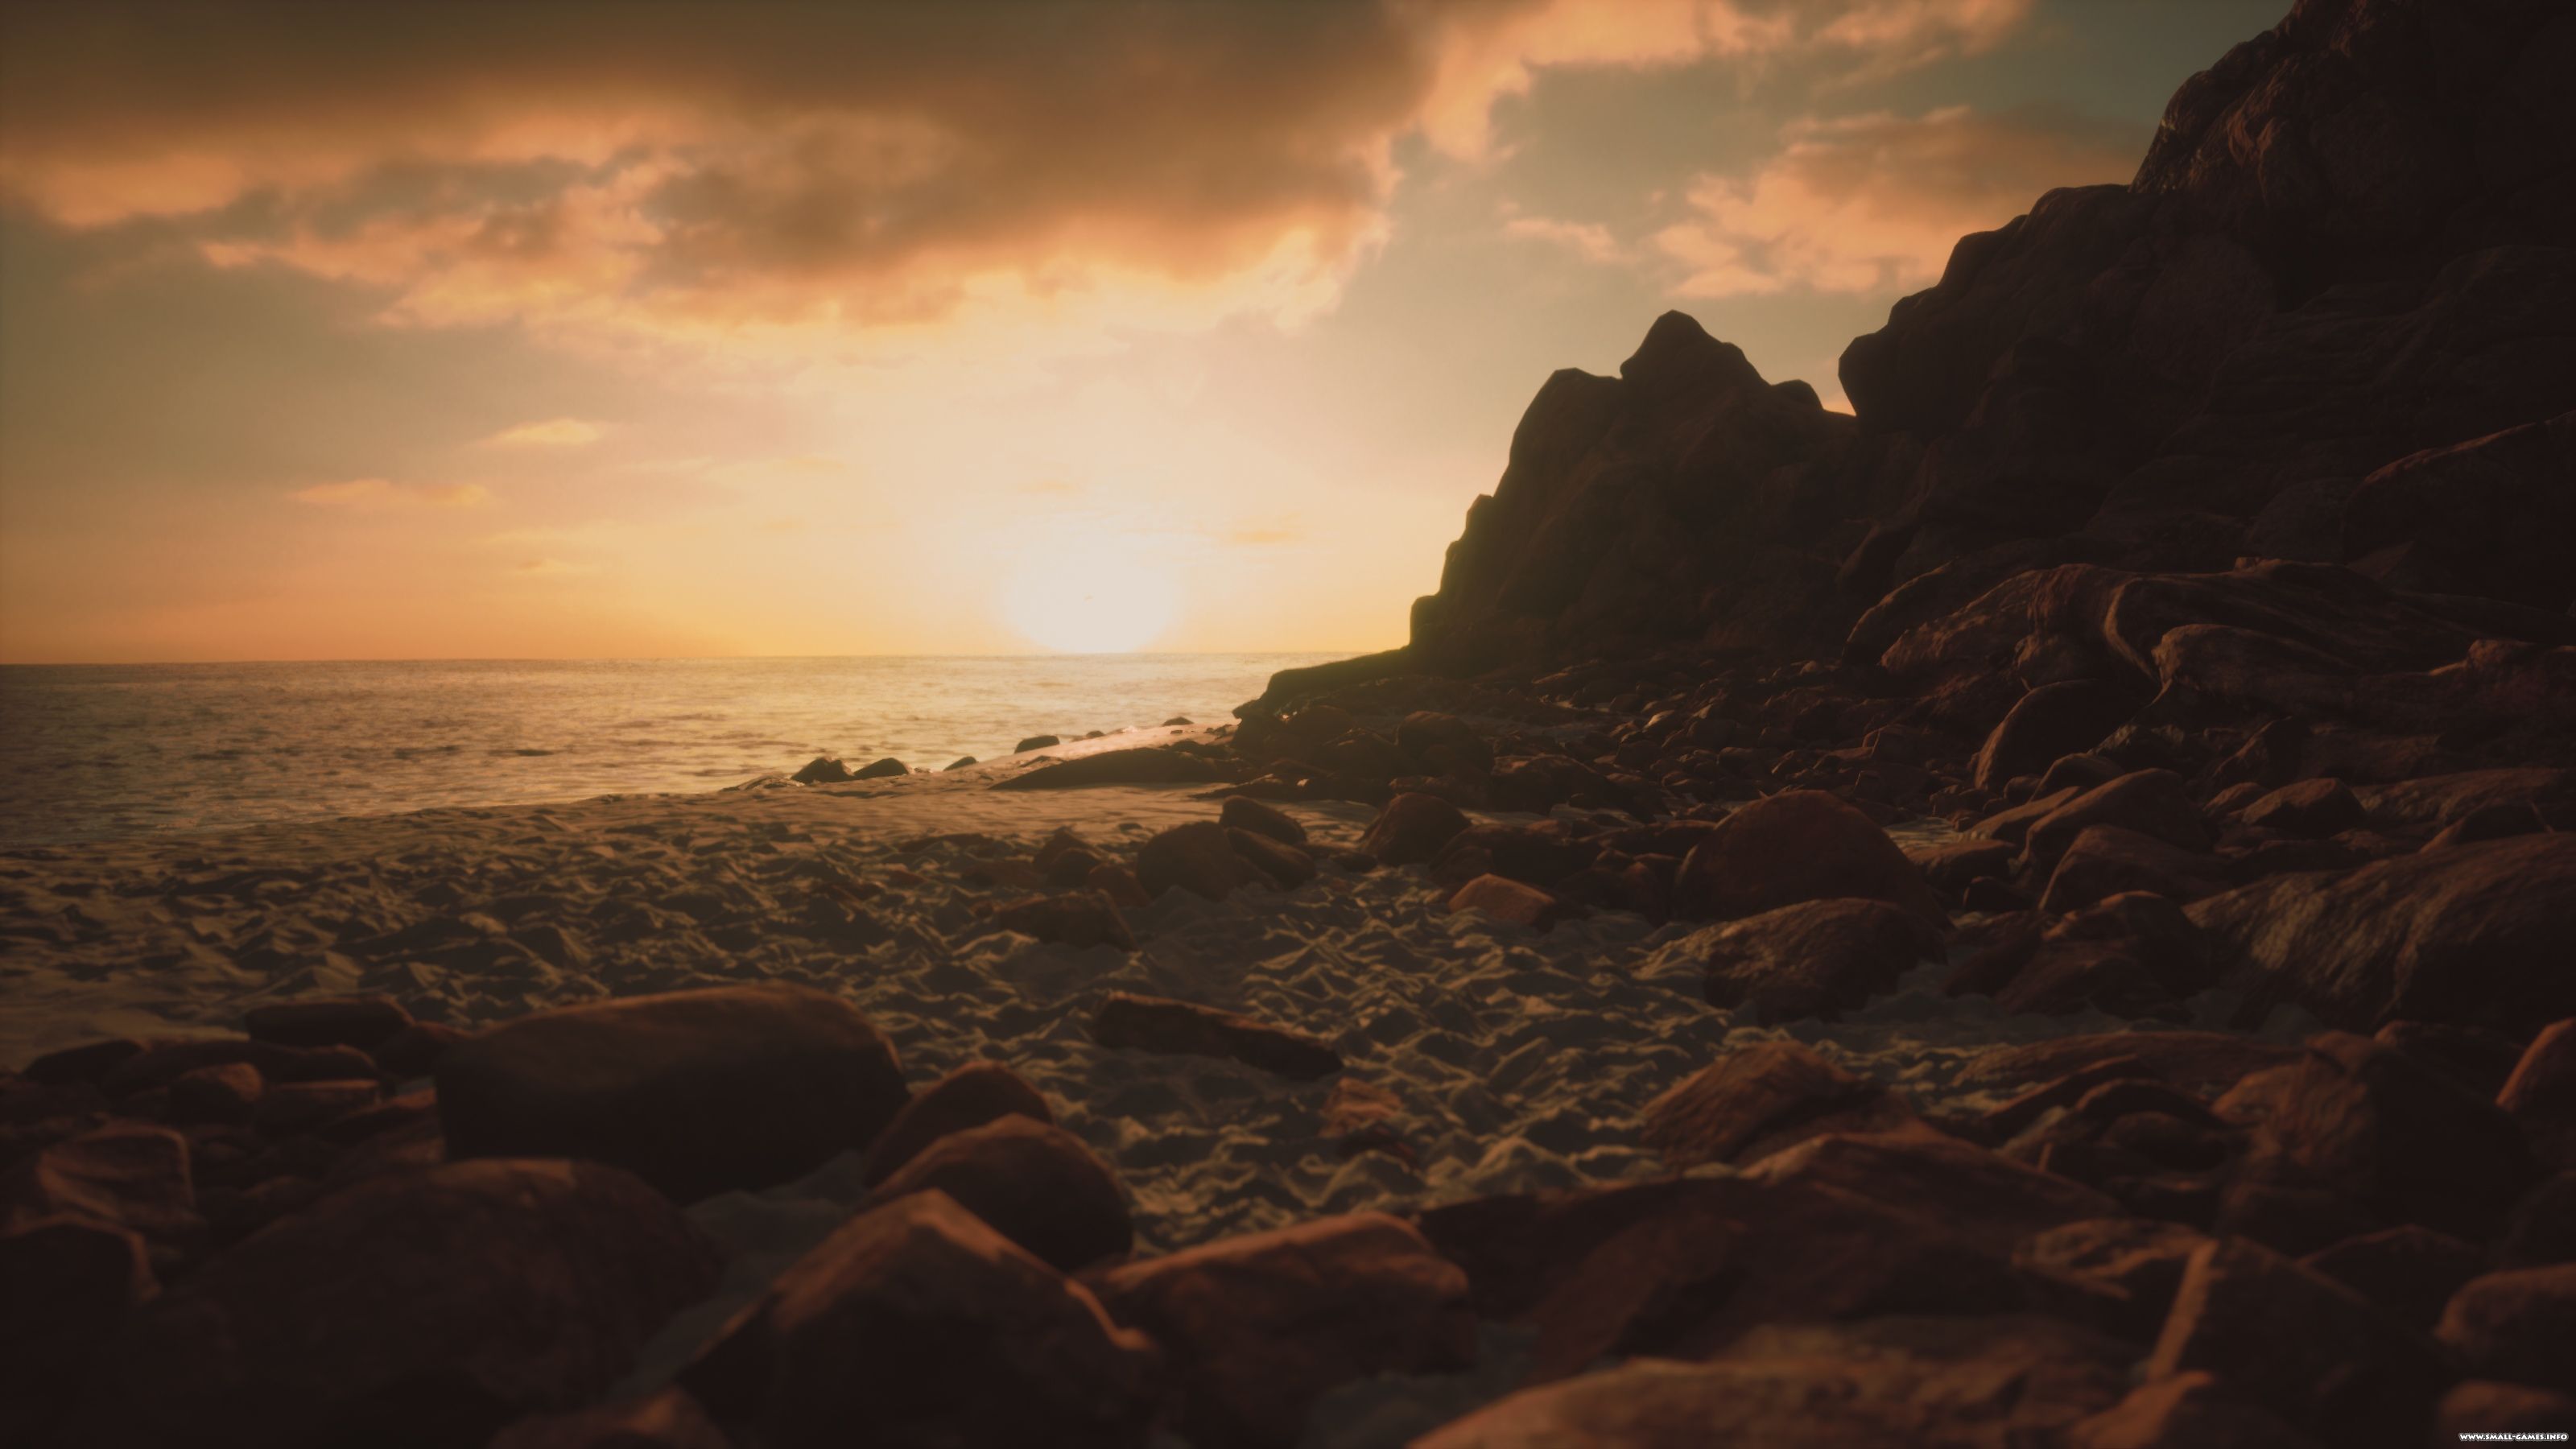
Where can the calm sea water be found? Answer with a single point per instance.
(91, 752)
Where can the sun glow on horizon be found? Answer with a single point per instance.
(1091, 597)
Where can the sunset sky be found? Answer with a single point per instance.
(383, 331)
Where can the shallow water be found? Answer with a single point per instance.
(103, 752)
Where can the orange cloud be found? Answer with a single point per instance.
(380, 495)
(555, 433)
(1874, 203)
(615, 173)
(1487, 51)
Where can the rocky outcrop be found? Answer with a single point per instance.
(2326, 321)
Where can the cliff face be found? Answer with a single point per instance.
(2332, 320)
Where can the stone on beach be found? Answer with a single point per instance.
(884, 769)
(364, 1022)
(2476, 935)
(420, 1308)
(695, 1091)
(1799, 845)
(1242, 812)
(1756, 1101)
(2540, 1095)
(1258, 1326)
(1287, 866)
(1078, 918)
(1514, 903)
(1411, 828)
(125, 1173)
(1197, 858)
(1126, 1021)
(1814, 960)
(920, 1323)
(2302, 1345)
(1152, 765)
(822, 770)
(970, 1096)
(1031, 1181)
(71, 1280)
(1876, 1384)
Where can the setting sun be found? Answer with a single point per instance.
(1091, 600)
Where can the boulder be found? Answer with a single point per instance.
(89, 1062)
(1949, 866)
(1883, 1382)
(1260, 1326)
(1075, 918)
(2475, 936)
(1035, 742)
(1411, 828)
(1031, 1181)
(2153, 803)
(1539, 853)
(885, 769)
(970, 1096)
(2371, 1123)
(1985, 1198)
(2311, 807)
(917, 1321)
(822, 770)
(1242, 812)
(1424, 732)
(2186, 1411)
(694, 1091)
(414, 1050)
(2205, 1062)
(2109, 860)
(2139, 1259)
(2409, 1271)
(1196, 858)
(1750, 1103)
(226, 1092)
(1681, 1267)
(2517, 1327)
(1119, 884)
(71, 1282)
(2301, 1345)
(1125, 1021)
(1799, 845)
(1513, 903)
(1814, 960)
(364, 1022)
(424, 1308)
(127, 1174)
(1287, 866)
(2484, 1407)
(2540, 1096)
(1151, 765)
(2051, 721)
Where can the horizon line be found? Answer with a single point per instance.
(659, 658)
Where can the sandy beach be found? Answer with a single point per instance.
(1519, 1060)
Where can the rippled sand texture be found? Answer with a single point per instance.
(1516, 1060)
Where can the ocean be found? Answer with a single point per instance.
(94, 752)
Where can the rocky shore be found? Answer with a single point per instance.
(2039, 914)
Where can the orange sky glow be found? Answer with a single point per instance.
(578, 330)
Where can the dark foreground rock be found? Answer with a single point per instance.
(1125, 1021)
(920, 1323)
(417, 1309)
(695, 1091)
(1259, 1326)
